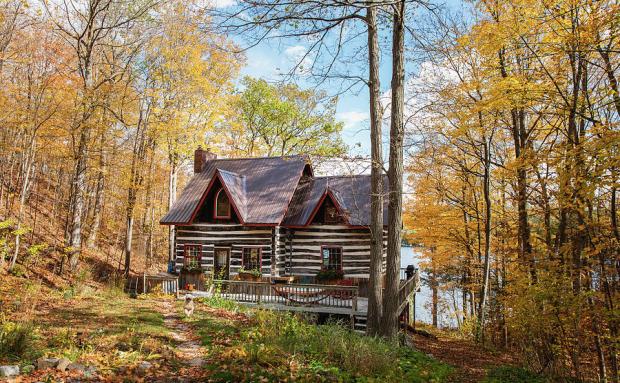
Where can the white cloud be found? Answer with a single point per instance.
(296, 52)
(352, 118)
(222, 3)
(342, 167)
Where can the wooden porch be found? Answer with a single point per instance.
(313, 298)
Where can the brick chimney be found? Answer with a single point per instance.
(201, 157)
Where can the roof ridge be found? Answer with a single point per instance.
(257, 158)
(345, 176)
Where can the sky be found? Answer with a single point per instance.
(272, 58)
(268, 61)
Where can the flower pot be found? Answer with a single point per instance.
(243, 276)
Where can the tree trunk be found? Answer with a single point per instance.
(99, 196)
(77, 202)
(128, 241)
(375, 306)
(487, 239)
(26, 169)
(390, 309)
(172, 195)
(435, 301)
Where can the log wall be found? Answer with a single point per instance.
(304, 244)
(233, 236)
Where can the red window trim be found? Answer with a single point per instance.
(260, 256)
(186, 247)
(217, 195)
(340, 268)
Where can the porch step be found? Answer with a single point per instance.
(359, 323)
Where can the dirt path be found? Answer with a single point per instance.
(188, 348)
(471, 361)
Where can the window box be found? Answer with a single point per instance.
(249, 275)
(329, 277)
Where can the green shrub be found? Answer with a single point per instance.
(509, 374)
(330, 344)
(18, 270)
(17, 340)
(329, 275)
(216, 301)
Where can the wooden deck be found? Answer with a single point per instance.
(326, 299)
(313, 298)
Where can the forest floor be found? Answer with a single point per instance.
(472, 363)
(149, 339)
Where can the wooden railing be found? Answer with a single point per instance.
(288, 294)
(408, 287)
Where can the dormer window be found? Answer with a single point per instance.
(222, 205)
(330, 212)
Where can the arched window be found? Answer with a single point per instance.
(222, 205)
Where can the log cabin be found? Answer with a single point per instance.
(272, 215)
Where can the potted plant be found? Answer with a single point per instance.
(192, 268)
(329, 277)
(249, 275)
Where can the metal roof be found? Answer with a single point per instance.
(234, 184)
(352, 194)
(271, 190)
(267, 183)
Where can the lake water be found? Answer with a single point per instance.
(424, 298)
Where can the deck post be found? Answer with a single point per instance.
(259, 293)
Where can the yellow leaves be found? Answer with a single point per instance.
(234, 353)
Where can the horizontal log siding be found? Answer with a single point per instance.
(355, 243)
(232, 236)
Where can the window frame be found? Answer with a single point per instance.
(186, 249)
(260, 257)
(339, 248)
(326, 218)
(215, 212)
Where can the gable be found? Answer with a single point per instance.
(350, 193)
(262, 187)
(328, 210)
(207, 208)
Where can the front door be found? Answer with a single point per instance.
(221, 261)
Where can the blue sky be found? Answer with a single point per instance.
(269, 61)
(273, 57)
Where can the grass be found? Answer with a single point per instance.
(509, 374)
(102, 328)
(259, 345)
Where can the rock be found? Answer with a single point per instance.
(7, 371)
(90, 372)
(63, 364)
(144, 366)
(45, 363)
(76, 367)
(27, 369)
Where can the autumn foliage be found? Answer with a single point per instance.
(515, 179)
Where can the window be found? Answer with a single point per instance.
(251, 258)
(332, 257)
(331, 214)
(192, 255)
(222, 205)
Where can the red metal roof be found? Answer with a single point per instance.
(272, 191)
(267, 185)
(352, 194)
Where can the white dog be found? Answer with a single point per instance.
(189, 305)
